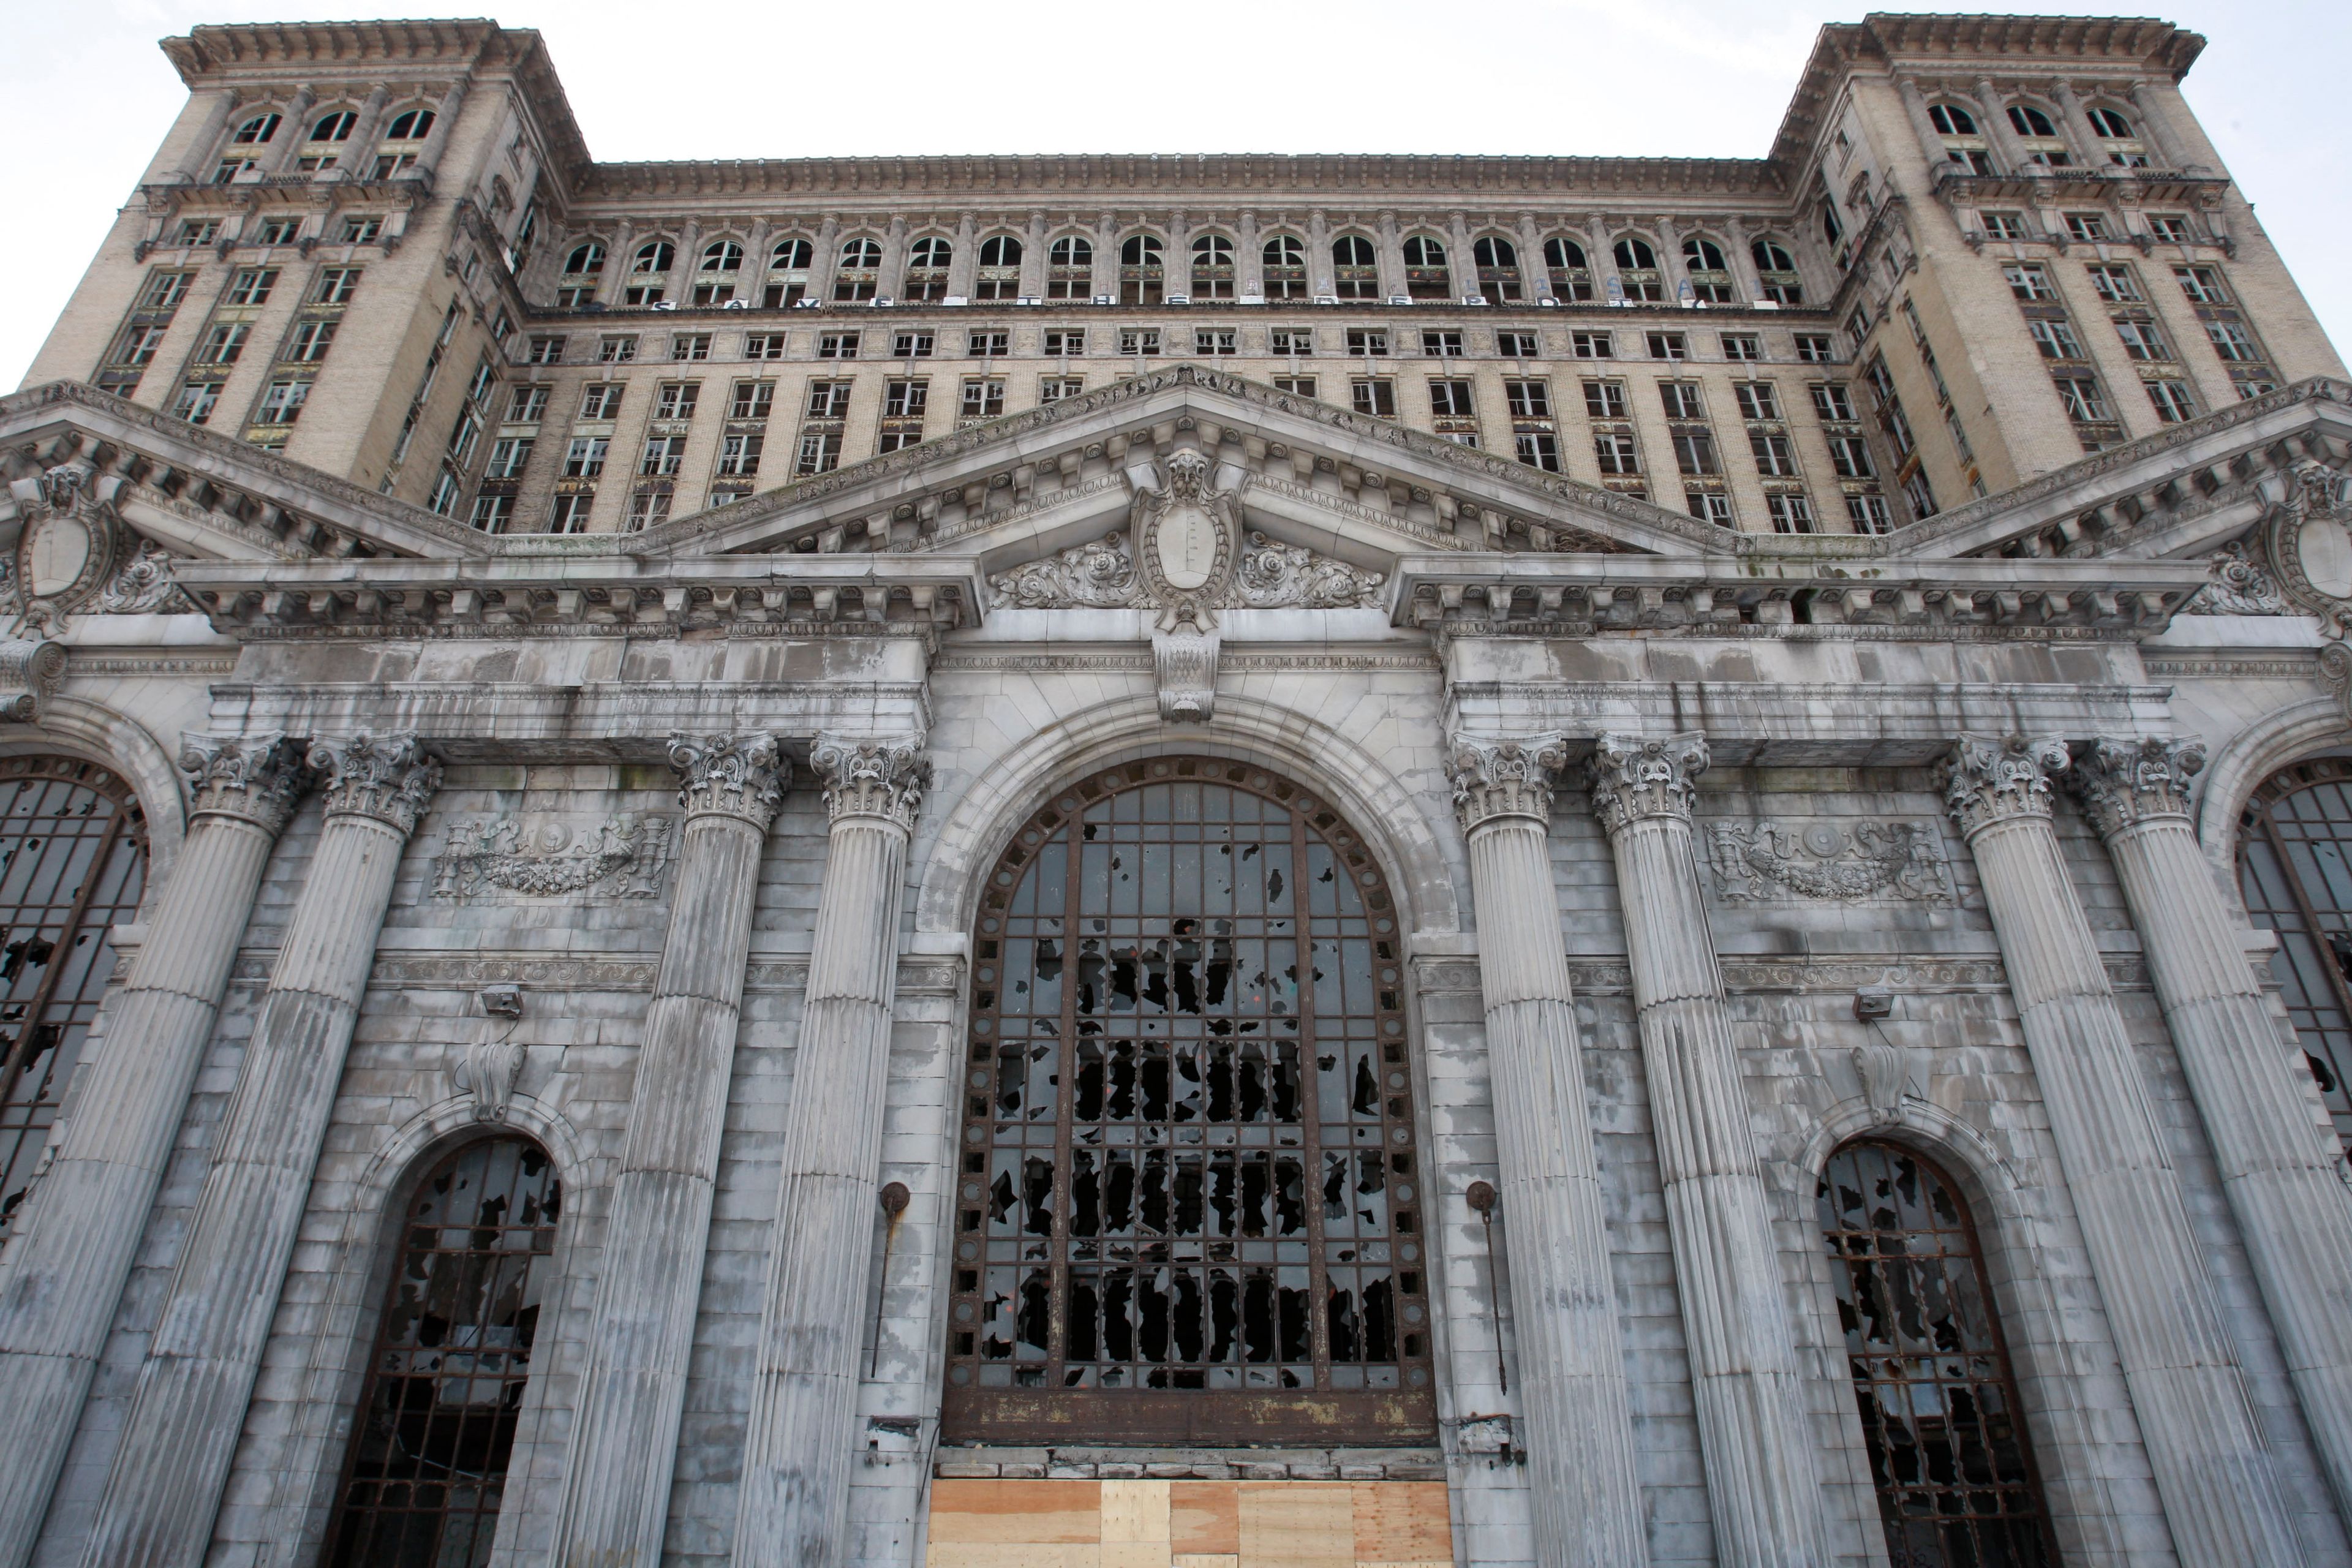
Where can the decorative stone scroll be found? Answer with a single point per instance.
(872, 778)
(2240, 586)
(1633, 778)
(258, 777)
(2121, 783)
(1989, 780)
(30, 673)
(143, 585)
(1509, 777)
(1873, 860)
(736, 775)
(391, 778)
(621, 859)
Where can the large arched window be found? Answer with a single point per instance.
(1187, 1199)
(436, 1422)
(1947, 1445)
(2294, 869)
(73, 862)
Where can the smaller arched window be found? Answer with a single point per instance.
(2110, 124)
(788, 267)
(2044, 145)
(791, 256)
(426, 1473)
(1498, 260)
(1000, 268)
(2029, 121)
(648, 279)
(1571, 275)
(1704, 255)
(413, 125)
(1426, 274)
(722, 256)
(1771, 256)
(715, 275)
(1949, 1452)
(1284, 262)
(256, 131)
(2122, 145)
(861, 253)
(1952, 119)
(655, 256)
(1637, 268)
(1000, 250)
(1356, 268)
(1141, 275)
(1776, 269)
(586, 260)
(1212, 268)
(927, 269)
(1831, 231)
(1069, 267)
(1710, 274)
(859, 275)
(334, 127)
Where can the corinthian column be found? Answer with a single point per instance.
(2277, 1166)
(1588, 1504)
(633, 1390)
(1754, 1442)
(2222, 1496)
(64, 1272)
(796, 1455)
(189, 1407)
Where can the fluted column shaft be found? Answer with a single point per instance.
(2221, 1494)
(1754, 1440)
(633, 1391)
(797, 1452)
(62, 1276)
(1587, 1503)
(188, 1410)
(2278, 1166)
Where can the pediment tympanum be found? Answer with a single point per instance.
(69, 551)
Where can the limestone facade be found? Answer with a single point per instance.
(598, 663)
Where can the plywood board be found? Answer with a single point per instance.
(986, 1513)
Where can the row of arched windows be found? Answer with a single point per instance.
(324, 145)
(1144, 277)
(2038, 133)
(335, 125)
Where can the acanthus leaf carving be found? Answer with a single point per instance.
(1992, 779)
(1098, 575)
(1633, 780)
(623, 858)
(872, 778)
(2124, 782)
(143, 586)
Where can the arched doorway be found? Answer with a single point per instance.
(73, 863)
(2294, 871)
(1949, 1452)
(1189, 1197)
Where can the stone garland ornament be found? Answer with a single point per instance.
(872, 778)
(2309, 543)
(1988, 779)
(623, 858)
(1877, 860)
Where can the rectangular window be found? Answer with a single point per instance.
(1850, 456)
(1668, 345)
(1054, 388)
(1775, 458)
(197, 400)
(2030, 280)
(1816, 348)
(569, 513)
(282, 403)
(310, 343)
(1539, 449)
(251, 286)
(585, 458)
(739, 454)
(763, 346)
(1756, 400)
(140, 346)
(1367, 343)
(1834, 401)
(1066, 342)
(1290, 341)
(751, 400)
(197, 231)
(1742, 346)
(2142, 340)
(689, 345)
(166, 290)
(2088, 226)
(492, 513)
(507, 458)
(1680, 400)
(983, 398)
(1694, 453)
(1592, 345)
(2172, 401)
(1922, 497)
(463, 438)
(836, 345)
(544, 350)
(1607, 400)
(675, 399)
(361, 230)
(1374, 397)
(2202, 285)
(905, 399)
(2004, 225)
(820, 453)
(1868, 513)
(2232, 342)
(648, 508)
(2113, 282)
(1616, 455)
(1528, 399)
(1296, 385)
(2081, 394)
(1450, 399)
(1517, 345)
(2171, 229)
(1791, 514)
(1442, 344)
(616, 351)
(527, 406)
(898, 438)
(828, 400)
(2056, 340)
(1138, 340)
(987, 345)
(1709, 506)
(1215, 342)
(601, 400)
(663, 457)
(447, 489)
(224, 343)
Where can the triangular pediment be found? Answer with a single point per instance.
(1355, 489)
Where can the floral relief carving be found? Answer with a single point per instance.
(143, 585)
(1098, 574)
(1876, 860)
(623, 858)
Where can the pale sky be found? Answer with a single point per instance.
(84, 96)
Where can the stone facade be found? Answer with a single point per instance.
(1794, 638)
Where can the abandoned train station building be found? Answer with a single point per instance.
(1179, 862)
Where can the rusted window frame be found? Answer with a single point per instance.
(2256, 822)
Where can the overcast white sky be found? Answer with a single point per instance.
(85, 95)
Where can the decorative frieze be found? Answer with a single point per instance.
(620, 858)
(872, 778)
(1989, 780)
(2123, 783)
(731, 775)
(258, 777)
(1632, 779)
(391, 779)
(1872, 859)
(1504, 777)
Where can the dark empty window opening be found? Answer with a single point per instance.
(2292, 841)
(1188, 1203)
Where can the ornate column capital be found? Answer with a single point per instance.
(391, 779)
(729, 776)
(2121, 783)
(1635, 780)
(257, 777)
(1990, 779)
(872, 778)
(1505, 776)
